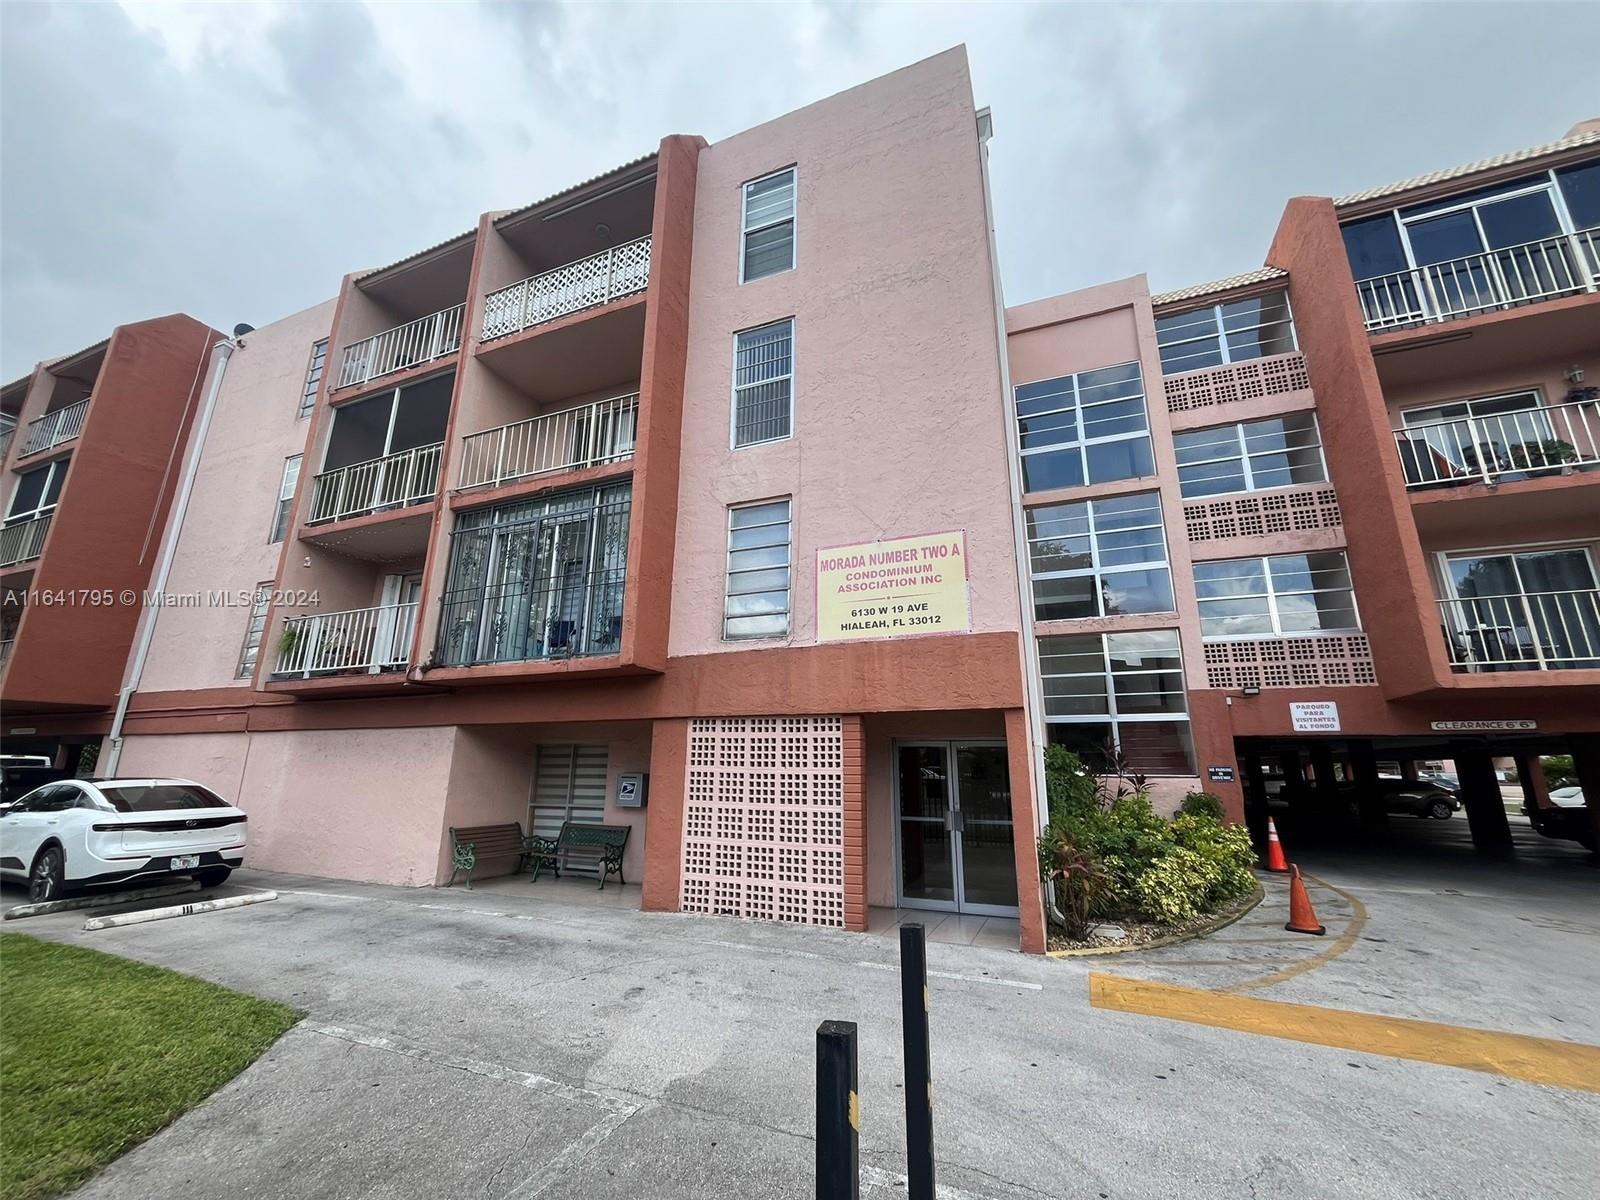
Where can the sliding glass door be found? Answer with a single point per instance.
(1526, 610)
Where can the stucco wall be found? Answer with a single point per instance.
(898, 424)
(224, 543)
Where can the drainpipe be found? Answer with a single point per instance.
(220, 353)
(1034, 709)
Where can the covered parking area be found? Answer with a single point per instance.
(1409, 794)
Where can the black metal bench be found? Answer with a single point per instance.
(471, 844)
(608, 839)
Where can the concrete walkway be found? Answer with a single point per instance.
(510, 1042)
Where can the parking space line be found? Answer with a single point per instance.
(1513, 1055)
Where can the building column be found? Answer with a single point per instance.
(1585, 749)
(1369, 796)
(1408, 770)
(1480, 796)
(1530, 775)
(662, 889)
(1025, 830)
(855, 824)
(1294, 782)
(1255, 796)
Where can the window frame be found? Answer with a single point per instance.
(1272, 595)
(728, 571)
(1080, 443)
(1220, 332)
(1111, 716)
(286, 491)
(254, 637)
(793, 218)
(1245, 454)
(316, 366)
(1096, 569)
(733, 383)
(56, 466)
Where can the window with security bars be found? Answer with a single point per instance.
(768, 226)
(1225, 333)
(569, 784)
(308, 396)
(1118, 693)
(1086, 428)
(253, 632)
(286, 486)
(1099, 558)
(756, 602)
(1250, 457)
(763, 384)
(1282, 594)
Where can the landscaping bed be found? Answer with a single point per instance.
(1148, 936)
(98, 1053)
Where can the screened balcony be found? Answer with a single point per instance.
(384, 452)
(538, 579)
(587, 435)
(393, 481)
(586, 283)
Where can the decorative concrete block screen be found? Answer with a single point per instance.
(1251, 380)
(763, 819)
(1333, 660)
(1281, 511)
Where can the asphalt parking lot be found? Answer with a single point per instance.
(522, 1041)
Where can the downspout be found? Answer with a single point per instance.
(220, 353)
(1030, 673)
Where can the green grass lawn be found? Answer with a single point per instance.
(97, 1053)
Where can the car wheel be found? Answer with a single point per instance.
(1440, 810)
(213, 876)
(47, 880)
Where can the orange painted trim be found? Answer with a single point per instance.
(662, 890)
(354, 393)
(1402, 338)
(559, 481)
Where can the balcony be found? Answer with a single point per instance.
(1538, 631)
(6, 433)
(5, 651)
(24, 541)
(587, 436)
(392, 482)
(54, 428)
(359, 641)
(409, 345)
(587, 283)
(1484, 282)
(1500, 447)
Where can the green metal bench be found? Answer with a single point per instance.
(608, 839)
(470, 844)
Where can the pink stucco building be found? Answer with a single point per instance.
(721, 498)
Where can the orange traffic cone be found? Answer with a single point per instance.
(1302, 917)
(1275, 860)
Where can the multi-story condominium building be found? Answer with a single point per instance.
(721, 497)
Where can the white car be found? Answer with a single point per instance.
(91, 832)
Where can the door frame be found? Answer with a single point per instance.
(958, 904)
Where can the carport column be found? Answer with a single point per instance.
(1294, 781)
(1369, 800)
(663, 844)
(1255, 796)
(1586, 759)
(1480, 796)
(1530, 775)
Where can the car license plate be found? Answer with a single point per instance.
(184, 861)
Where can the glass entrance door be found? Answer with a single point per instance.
(953, 818)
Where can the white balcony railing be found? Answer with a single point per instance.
(54, 428)
(408, 345)
(1537, 631)
(6, 432)
(23, 541)
(1530, 441)
(361, 639)
(1461, 287)
(586, 436)
(394, 481)
(598, 279)
(5, 651)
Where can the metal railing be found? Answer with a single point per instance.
(409, 345)
(1490, 448)
(527, 620)
(586, 436)
(598, 279)
(24, 541)
(54, 428)
(1505, 278)
(1536, 631)
(360, 639)
(6, 433)
(394, 481)
(5, 651)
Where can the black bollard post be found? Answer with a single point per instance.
(919, 1062)
(838, 1113)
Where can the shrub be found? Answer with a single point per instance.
(1173, 889)
(1202, 804)
(1226, 847)
(1079, 877)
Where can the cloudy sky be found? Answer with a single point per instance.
(234, 160)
